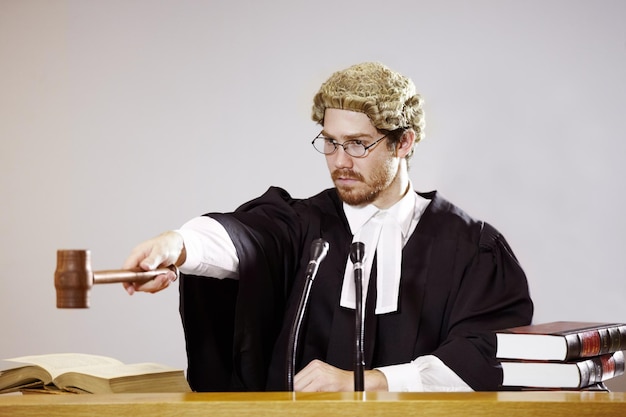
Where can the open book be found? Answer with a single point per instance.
(78, 372)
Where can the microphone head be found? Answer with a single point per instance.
(357, 251)
(319, 249)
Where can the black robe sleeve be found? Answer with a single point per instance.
(230, 348)
(207, 311)
(491, 294)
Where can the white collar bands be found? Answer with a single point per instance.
(384, 232)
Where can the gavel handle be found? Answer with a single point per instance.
(130, 275)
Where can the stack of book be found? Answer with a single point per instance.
(561, 355)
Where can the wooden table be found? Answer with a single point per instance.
(273, 404)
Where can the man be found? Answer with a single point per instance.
(437, 282)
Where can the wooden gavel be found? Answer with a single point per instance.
(74, 278)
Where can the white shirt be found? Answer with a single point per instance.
(211, 253)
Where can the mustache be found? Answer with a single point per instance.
(346, 173)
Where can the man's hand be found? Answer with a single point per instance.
(163, 250)
(320, 376)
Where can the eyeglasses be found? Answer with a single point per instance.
(354, 148)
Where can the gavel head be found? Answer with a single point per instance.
(73, 278)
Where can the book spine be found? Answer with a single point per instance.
(586, 371)
(622, 338)
(620, 363)
(601, 368)
(613, 340)
(574, 346)
(595, 342)
(590, 342)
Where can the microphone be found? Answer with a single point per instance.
(357, 250)
(319, 249)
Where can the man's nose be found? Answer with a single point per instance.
(341, 159)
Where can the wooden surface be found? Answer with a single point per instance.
(510, 404)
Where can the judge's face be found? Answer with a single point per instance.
(363, 180)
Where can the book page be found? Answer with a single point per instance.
(141, 377)
(5, 365)
(58, 363)
(123, 370)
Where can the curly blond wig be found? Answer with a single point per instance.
(385, 96)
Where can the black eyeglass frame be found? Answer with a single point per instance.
(343, 145)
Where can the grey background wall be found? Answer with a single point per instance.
(122, 119)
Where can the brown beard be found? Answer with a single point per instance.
(356, 196)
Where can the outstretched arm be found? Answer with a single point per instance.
(200, 247)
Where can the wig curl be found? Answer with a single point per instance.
(388, 98)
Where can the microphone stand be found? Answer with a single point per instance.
(357, 249)
(319, 248)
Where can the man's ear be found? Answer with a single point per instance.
(406, 143)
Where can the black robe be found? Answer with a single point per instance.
(460, 281)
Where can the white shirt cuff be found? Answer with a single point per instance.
(426, 373)
(210, 251)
